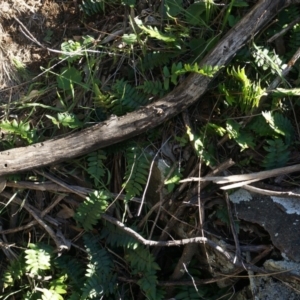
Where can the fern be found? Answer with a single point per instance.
(152, 88)
(96, 168)
(142, 262)
(281, 125)
(277, 156)
(267, 60)
(21, 129)
(14, 272)
(243, 138)
(38, 258)
(137, 171)
(117, 238)
(89, 212)
(245, 93)
(99, 277)
(92, 7)
(156, 59)
(191, 293)
(73, 268)
(126, 98)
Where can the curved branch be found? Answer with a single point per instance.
(120, 129)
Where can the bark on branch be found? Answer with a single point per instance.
(120, 129)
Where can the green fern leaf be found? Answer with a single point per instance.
(243, 138)
(137, 171)
(37, 258)
(277, 156)
(116, 237)
(260, 127)
(96, 168)
(92, 7)
(99, 277)
(73, 268)
(152, 88)
(280, 124)
(125, 98)
(142, 262)
(89, 212)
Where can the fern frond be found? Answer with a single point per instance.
(190, 293)
(137, 171)
(152, 88)
(280, 124)
(14, 272)
(89, 212)
(96, 168)
(37, 258)
(99, 277)
(143, 262)
(260, 127)
(92, 7)
(277, 156)
(267, 60)
(156, 59)
(243, 138)
(73, 268)
(126, 98)
(116, 237)
(20, 128)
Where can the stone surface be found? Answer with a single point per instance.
(278, 216)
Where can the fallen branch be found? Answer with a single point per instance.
(120, 129)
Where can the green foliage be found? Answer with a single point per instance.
(142, 262)
(281, 125)
(37, 258)
(190, 293)
(35, 263)
(244, 92)
(73, 268)
(96, 168)
(137, 172)
(99, 277)
(89, 212)
(117, 238)
(92, 7)
(20, 129)
(66, 120)
(235, 131)
(156, 59)
(278, 154)
(125, 98)
(153, 88)
(267, 60)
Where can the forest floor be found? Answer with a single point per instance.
(252, 219)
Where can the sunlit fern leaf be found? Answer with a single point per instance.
(14, 272)
(100, 279)
(260, 127)
(92, 7)
(267, 60)
(96, 168)
(89, 212)
(38, 258)
(277, 155)
(137, 172)
(116, 237)
(280, 125)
